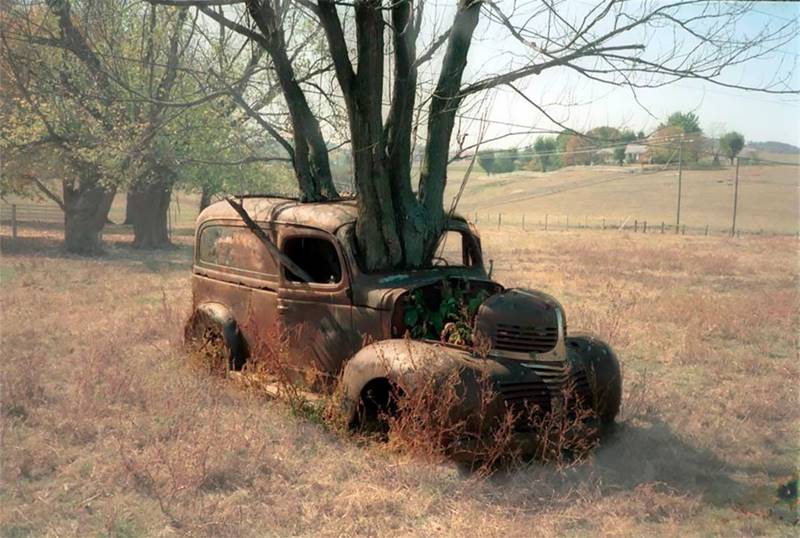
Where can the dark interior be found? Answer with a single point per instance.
(317, 256)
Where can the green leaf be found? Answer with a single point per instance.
(411, 317)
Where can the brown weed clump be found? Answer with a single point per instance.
(461, 416)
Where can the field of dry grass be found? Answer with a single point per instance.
(106, 432)
(768, 196)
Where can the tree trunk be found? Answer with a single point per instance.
(86, 208)
(205, 198)
(152, 198)
(131, 208)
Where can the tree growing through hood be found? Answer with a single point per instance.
(393, 99)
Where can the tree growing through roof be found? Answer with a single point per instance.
(731, 144)
(400, 219)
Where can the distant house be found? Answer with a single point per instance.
(605, 155)
(635, 153)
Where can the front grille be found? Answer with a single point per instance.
(526, 397)
(525, 339)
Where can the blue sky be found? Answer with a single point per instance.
(583, 104)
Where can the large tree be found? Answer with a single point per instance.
(373, 46)
(61, 117)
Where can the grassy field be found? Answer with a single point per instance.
(768, 196)
(106, 432)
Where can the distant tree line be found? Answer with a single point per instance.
(679, 136)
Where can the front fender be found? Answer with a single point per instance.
(404, 363)
(588, 353)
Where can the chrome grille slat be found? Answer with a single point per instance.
(525, 338)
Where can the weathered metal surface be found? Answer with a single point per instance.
(351, 323)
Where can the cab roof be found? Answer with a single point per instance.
(327, 216)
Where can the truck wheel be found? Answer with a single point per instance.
(214, 344)
(601, 366)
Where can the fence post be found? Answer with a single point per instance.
(706, 229)
(499, 219)
(683, 232)
(604, 223)
(13, 221)
(662, 226)
(644, 227)
(635, 226)
(567, 222)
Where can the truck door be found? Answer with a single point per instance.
(317, 315)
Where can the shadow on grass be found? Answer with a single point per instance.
(118, 251)
(646, 453)
(652, 453)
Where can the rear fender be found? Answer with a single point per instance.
(218, 315)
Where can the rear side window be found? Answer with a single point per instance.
(235, 247)
(317, 256)
(455, 249)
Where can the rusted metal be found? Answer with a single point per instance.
(344, 321)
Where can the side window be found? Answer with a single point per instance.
(453, 250)
(317, 256)
(235, 247)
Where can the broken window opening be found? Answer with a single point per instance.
(316, 256)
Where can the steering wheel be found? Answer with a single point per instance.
(443, 261)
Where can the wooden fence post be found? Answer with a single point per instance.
(604, 223)
(499, 219)
(635, 226)
(644, 227)
(662, 226)
(567, 222)
(13, 221)
(706, 229)
(684, 230)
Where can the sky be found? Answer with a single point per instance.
(582, 104)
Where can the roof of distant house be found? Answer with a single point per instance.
(635, 149)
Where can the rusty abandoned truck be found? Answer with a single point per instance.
(408, 319)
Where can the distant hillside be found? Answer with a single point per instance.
(774, 147)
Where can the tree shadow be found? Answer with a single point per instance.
(117, 252)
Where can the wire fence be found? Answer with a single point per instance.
(530, 222)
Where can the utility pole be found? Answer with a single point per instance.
(680, 185)
(735, 198)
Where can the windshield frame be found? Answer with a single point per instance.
(346, 235)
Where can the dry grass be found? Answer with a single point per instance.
(105, 431)
(768, 196)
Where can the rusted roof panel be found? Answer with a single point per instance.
(327, 216)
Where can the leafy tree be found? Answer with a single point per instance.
(487, 161)
(731, 144)
(688, 122)
(544, 147)
(624, 138)
(63, 120)
(505, 161)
